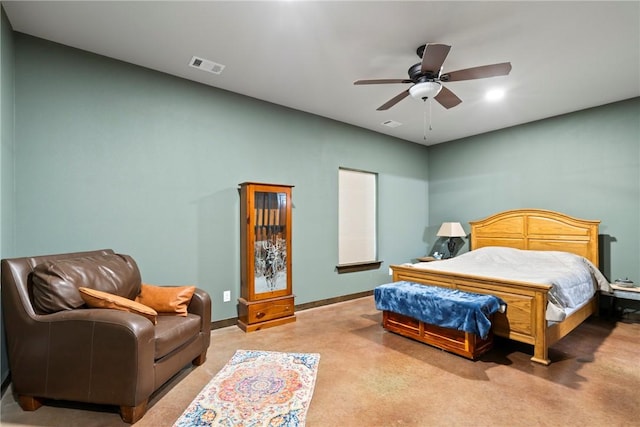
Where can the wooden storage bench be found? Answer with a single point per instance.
(453, 320)
(462, 343)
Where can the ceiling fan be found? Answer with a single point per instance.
(427, 77)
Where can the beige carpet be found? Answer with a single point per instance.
(369, 377)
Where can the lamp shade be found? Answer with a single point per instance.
(451, 229)
(425, 90)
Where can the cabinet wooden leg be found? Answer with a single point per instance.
(132, 414)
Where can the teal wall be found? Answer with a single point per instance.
(585, 164)
(6, 159)
(113, 155)
(107, 154)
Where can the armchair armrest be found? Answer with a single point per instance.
(107, 352)
(201, 305)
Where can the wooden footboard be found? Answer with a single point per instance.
(523, 321)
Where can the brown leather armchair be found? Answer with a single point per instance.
(101, 356)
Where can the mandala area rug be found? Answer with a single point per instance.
(256, 389)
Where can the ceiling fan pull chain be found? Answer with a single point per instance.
(424, 127)
(424, 121)
(430, 128)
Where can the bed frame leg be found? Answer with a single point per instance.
(545, 362)
(540, 355)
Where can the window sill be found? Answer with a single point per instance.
(358, 266)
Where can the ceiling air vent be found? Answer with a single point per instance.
(206, 65)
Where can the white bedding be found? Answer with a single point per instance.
(574, 279)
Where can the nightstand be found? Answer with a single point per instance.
(621, 298)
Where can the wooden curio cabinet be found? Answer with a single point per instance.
(266, 294)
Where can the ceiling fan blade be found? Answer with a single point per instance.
(481, 72)
(393, 101)
(434, 56)
(447, 99)
(381, 81)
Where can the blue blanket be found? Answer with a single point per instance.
(448, 308)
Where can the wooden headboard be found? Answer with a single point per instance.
(537, 229)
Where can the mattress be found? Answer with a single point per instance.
(573, 279)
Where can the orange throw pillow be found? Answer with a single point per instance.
(166, 299)
(99, 299)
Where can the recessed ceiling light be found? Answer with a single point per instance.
(494, 95)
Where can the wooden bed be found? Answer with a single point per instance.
(533, 229)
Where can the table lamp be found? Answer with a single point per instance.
(451, 230)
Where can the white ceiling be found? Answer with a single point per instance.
(305, 55)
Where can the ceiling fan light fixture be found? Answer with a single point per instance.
(425, 90)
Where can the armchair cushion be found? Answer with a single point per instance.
(166, 299)
(56, 282)
(99, 299)
(172, 332)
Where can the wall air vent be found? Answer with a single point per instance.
(206, 65)
(392, 124)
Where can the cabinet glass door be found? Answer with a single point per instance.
(270, 246)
